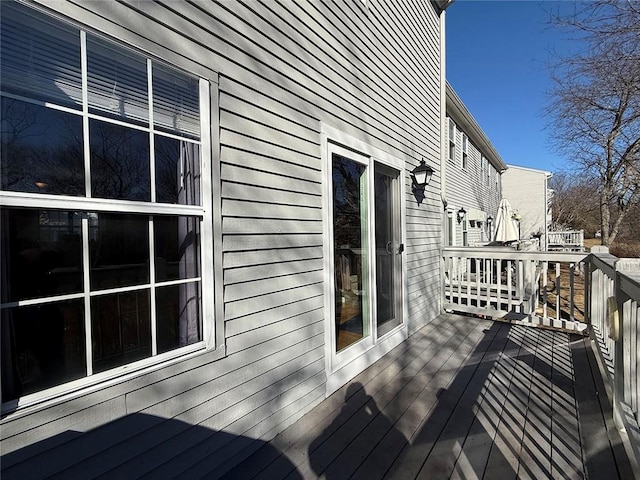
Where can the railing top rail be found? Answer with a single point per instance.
(508, 253)
(560, 232)
(605, 262)
(630, 284)
(628, 270)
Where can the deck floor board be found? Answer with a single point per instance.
(462, 398)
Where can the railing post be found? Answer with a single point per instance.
(622, 352)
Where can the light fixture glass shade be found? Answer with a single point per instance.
(461, 213)
(422, 174)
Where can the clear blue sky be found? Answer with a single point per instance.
(498, 56)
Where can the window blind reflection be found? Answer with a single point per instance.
(40, 56)
(176, 104)
(116, 81)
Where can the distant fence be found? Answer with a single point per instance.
(530, 287)
(566, 241)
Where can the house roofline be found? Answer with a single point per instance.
(462, 116)
(533, 170)
(441, 5)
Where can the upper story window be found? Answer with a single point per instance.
(465, 151)
(452, 141)
(102, 194)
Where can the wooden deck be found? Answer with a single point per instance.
(463, 398)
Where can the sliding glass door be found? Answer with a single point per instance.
(366, 246)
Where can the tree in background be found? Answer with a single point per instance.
(575, 203)
(595, 107)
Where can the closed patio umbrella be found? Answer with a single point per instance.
(506, 226)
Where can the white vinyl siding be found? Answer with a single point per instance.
(278, 70)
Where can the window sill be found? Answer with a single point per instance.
(177, 362)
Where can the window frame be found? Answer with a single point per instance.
(210, 260)
(465, 151)
(451, 134)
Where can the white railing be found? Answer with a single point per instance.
(613, 288)
(570, 240)
(595, 293)
(534, 288)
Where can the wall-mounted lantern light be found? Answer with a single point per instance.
(461, 214)
(421, 175)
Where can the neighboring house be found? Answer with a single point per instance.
(471, 178)
(207, 213)
(528, 192)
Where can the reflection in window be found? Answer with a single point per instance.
(177, 320)
(40, 56)
(176, 102)
(177, 249)
(350, 247)
(42, 253)
(120, 253)
(41, 149)
(119, 162)
(43, 346)
(94, 276)
(120, 329)
(116, 81)
(177, 165)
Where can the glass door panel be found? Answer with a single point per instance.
(388, 247)
(350, 246)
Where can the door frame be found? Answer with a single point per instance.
(342, 366)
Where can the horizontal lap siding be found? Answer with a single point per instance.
(284, 68)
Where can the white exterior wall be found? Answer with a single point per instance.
(527, 192)
(280, 70)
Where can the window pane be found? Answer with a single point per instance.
(350, 232)
(42, 346)
(40, 56)
(178, 316)
(41, 253)
(119, 162)
(120, 252)
(177, 247)
(41, 150)
(176, 102)
(177, 165)
(117, 81)
(120, 329)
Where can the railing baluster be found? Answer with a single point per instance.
(498, 274)
(545, 281)
(635, 361)
(521, 285)
(509, 285)
(478, 283)
(558, 291)
(572, 271)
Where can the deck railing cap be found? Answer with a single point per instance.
(628, 265)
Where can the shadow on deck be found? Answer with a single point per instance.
(462, 398)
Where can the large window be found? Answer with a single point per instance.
(102, 214)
